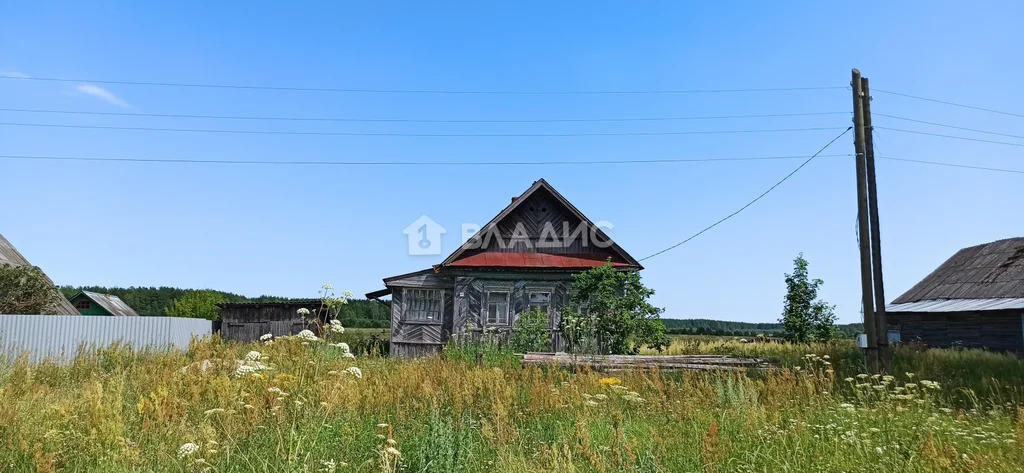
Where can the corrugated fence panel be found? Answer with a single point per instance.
(60, 336)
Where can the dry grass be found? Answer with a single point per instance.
(116, 410)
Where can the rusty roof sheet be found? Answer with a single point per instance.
(492, 259)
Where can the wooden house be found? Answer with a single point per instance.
(94, 303)
(248, 321)
(974, 299)
(9, 255)
(523, 258)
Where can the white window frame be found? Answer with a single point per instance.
(550, 291)
(486, 302)
(425, 300)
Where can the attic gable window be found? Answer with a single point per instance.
(423, 305)
(83, 305)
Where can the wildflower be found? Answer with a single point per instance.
(846, 406)
(348, 354)
(888, 378)
(848, 380)
(266, 337)
(879, 450)
(862, 376)
(302, 311)
(328, 466)
(307, 336)
(275, 390)
(393, 451)
(328, 287)
(187, 450)
(342, 345)
(592, 403)
(249, 406)
(358, 373)
(215, 410)
(382, 425)
(601, 396)
(348, 294)
(212, 451)
(825, 357)
(253, 356)
(335, 326)
(610, 381)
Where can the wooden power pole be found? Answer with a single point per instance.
(863, 224)
(881, 326)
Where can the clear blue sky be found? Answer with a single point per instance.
(285, 230)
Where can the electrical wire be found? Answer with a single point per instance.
(940, 135)
(416, 120)
(944, 102)
(964, 166)
(408, 163)
(415, 91)
(748, 204)
(948, 126)
(488, 135)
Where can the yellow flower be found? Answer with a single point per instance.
(610, 381)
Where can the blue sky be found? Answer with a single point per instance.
(285, 230)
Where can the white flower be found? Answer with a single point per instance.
(382, 425)
(302, 311)
(253, 356)
(342, 345)
(328, 287)
(275, 390)
(348, 354)
(266, 336)
(328, 466)
(215, 410)
(307, 336)
(348, 294)
(335, 326)
(358, 373)
(187, 450)
(394, 451)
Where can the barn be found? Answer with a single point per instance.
(523, 258)
(975, 299)
(248, 321)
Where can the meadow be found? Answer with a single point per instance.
(303, 405)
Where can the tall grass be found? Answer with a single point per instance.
(119, 410)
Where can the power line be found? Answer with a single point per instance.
(950, 126)
(940, 135)
(490, 135)
(415, 91)
(965, 166)
(417, 120)
(407, 163)
(748, 204)
(972, 107)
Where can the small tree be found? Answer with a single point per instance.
(200, 304)
(530, 332)
(615, 317)
(26, 290)
(804, 318)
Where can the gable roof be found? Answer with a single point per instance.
(109, 302)
(991, 271)
(10, 255)
(493, 259)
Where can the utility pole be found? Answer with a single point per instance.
(881, 327)
(863, 224)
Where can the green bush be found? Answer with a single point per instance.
(530, 332)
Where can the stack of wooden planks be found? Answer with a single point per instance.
(634, 362)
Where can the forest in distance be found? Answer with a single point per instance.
(362, 313)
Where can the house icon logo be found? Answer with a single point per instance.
(424, 236)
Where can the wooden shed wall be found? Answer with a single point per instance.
(994, 330)
(247, 322)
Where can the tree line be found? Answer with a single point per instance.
(201, 303)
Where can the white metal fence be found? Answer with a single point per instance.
(60, 336)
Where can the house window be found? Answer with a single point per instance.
(423, 305)
(83, 305)
(496, 307)
(541, 299)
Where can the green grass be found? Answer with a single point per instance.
(122, 411)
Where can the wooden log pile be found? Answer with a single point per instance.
(634, 362)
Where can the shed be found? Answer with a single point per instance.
(10, 255)
(975, 299)
(94, 303)
(248, 321)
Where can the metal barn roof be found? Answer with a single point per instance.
(958, 305)
(111, 303)
(985, 272)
